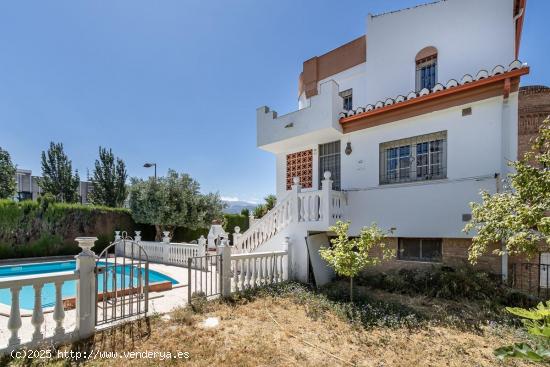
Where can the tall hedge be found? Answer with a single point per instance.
(30, 228)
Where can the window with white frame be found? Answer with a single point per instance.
(419, 249)
(418, 158)
(347, 96)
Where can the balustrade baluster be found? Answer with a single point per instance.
(241, 266)
(247, 272)
(271, 269)
(281, 266)
(14, 322)
(275, 276)
(58, 312)
(37, 315)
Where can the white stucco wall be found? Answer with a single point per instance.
(352, 78)
(469, 35)
(477, 147)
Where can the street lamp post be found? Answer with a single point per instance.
(149, 165)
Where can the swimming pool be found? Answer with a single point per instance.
(26, 296)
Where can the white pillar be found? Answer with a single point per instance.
(202, 246)
(137, 237)
(286, 247)
(225, 252)
(236, 235)
(295, 203)
(166, 237)
(504, 262)
(326, 187)
(85, 288)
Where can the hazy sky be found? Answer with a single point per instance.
(176, 82)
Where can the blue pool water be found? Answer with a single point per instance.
(26, 296)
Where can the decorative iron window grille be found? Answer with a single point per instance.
(347, 96)
(329, 160)
(420, 249)
(419, 158)
(426, 73)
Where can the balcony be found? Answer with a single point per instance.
(310, 125)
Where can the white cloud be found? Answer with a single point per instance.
(230, 198)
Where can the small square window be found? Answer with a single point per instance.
(347, 96)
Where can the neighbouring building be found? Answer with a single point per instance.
(403, 127)
(28, 188)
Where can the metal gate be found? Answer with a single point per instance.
(122, 281)
(204, 276)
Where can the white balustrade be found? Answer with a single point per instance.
(255, 269)
(167, 253)
(325, 206)
(37, 282)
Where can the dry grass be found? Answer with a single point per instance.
(288, 331)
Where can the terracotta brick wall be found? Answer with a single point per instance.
(534, 107)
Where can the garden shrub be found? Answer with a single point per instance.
(463, 282)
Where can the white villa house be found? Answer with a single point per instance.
(402, 127)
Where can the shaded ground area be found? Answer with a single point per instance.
(290, 325)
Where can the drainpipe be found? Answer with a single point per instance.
(504, 257)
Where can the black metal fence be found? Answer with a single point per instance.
(531, 278)
(204, 276)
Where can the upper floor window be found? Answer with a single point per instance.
(418, 158)
(347, 96)
(426, 68)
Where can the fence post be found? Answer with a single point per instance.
(286, 247)
(295, 202)
(85, 288)
(225, 252)
(236, 235)
(326, 187)
(137, 237)
(202, 246)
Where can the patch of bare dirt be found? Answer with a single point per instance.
(277, 331)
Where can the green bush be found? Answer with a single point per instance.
(230, 221)
(47, 228)
(47, 245)
(463, 282)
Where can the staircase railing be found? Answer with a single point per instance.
(323, 205)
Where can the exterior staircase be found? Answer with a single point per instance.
(299, 210)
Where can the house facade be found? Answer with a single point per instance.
(402, 127)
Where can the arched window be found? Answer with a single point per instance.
(426, 68)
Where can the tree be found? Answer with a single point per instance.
(57, 175)
(259, 211)
(109, 180)
(173, 201)
(7, 175)
(517, 217)
(349, 256)
(245, 212)
(270, 202)
(262, 209)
